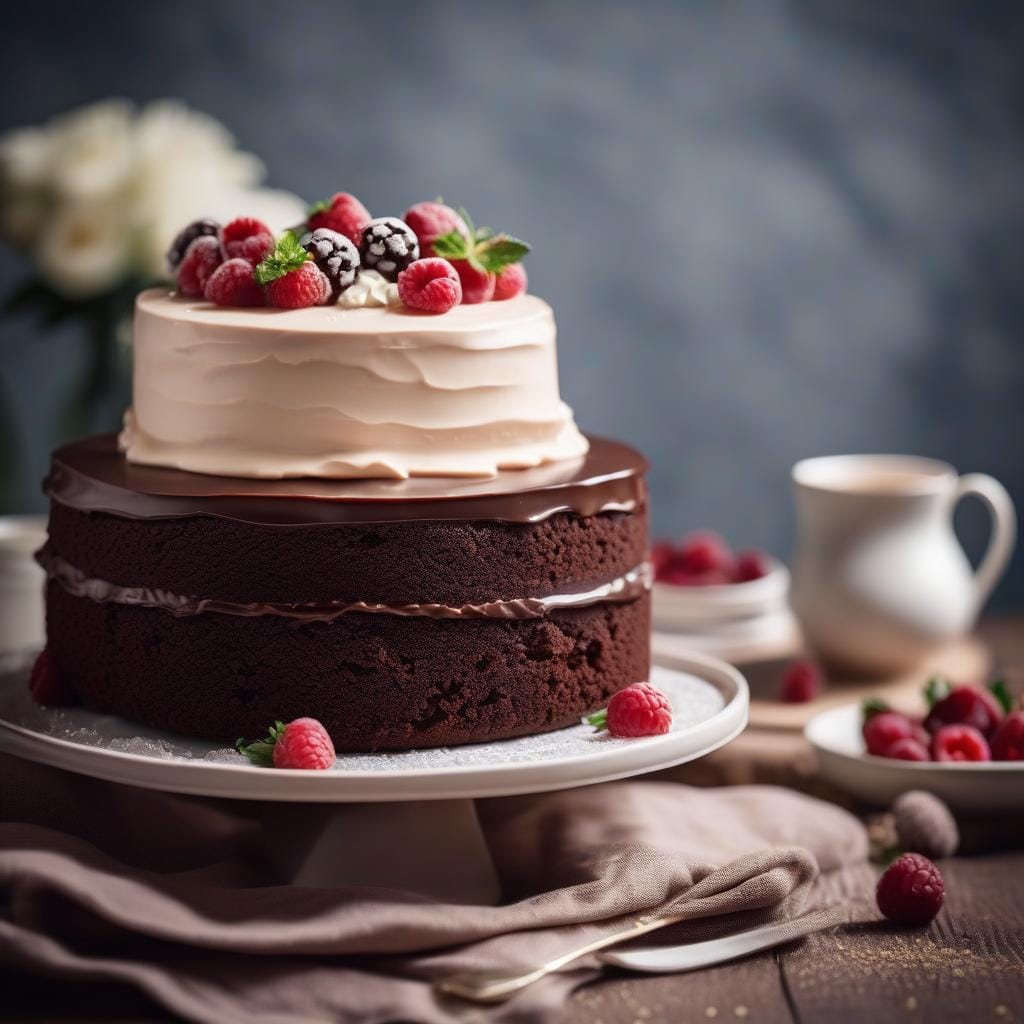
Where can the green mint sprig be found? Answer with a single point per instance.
(484, 249)
(937, 688)
(287, 255)
(261, 752)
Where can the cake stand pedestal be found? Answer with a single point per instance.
(399, 820)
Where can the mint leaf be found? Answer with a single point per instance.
(288, 255)
(936, 689)
(499, 252)
(599, 720)
(1001, 693)
(452, 246)
(482, 234)
(261, 753)
(872, 706)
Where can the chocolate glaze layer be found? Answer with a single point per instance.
(627, 587)
(93, 476)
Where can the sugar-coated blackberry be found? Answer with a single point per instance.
(389, 245)
(185, 237)
(336, 256)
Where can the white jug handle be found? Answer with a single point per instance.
(1004, 530)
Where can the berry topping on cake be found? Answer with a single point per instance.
(203, 256)
(239, 231)
(186, 236)
(335, 255)
(342, 213)
(388, 246)
(430, 221)
(479, 256)
(911, 890)
(291, 278)
(47, 684)
(510, 282)
(960, 743)
(638, 710)
(234, 284)
(303, 743)
(431, 285)
(801, 682)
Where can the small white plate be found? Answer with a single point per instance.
(981, 787)
(681, 608)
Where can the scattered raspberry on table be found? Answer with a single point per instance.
(801, 682)
(911, 890)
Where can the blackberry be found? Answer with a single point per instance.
(336, 256)
(186, 237)
(388, 246)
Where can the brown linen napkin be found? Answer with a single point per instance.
(169, 894)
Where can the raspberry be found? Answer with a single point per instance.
(431, 220)
(911, 890)
(202, 258)
(662, 558)
(966, 705)
(510, 282)
(342, 213)
(185, 237)
(237, 231)
(881, 731)
(477, 285)
(678, 577)
(232, 284)
(705, 551)
(307, 285)
(908, 749)
(1008, 741)
(431, 285)
(336, 256)
(47, 683)
(303, 743)
(960, 743)
(254, 249)
(801, 682)
(638, 710)
(388, 246)
(751, 565)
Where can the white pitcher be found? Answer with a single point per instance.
(879, 578)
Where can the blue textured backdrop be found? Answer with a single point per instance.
(768, 229)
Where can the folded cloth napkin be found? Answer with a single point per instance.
(122, 886)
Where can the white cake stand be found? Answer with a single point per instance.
(400, 820)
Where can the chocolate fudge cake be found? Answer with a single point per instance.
(373, 510)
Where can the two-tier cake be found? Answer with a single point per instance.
(348, 488)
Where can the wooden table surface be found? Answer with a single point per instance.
(967, 966)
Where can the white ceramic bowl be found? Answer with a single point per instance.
(21, 583)
(982, 787)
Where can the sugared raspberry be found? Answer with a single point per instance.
(255, 248)
(388, 245)
(510, 282)
(305, 286)
(751, 565)
(431, 285)
(203, 256)
(336, 256)
(881, 731)
(801, 682)
(911, 890)
(185, 237)
(233, 284)
(47, 683)
(477, 285)
(237, 231)
(342, 213)
(1008, 741)
(638, 710)
(705, 551)
(431, 220)
(960, 743)
(908, 749)
(966, 705)
(303, 743)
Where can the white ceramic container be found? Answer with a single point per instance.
(22, 626)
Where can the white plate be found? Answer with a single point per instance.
(709, 698)
(842, 760)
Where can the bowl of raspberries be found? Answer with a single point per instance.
(965, 743)
(710, 597)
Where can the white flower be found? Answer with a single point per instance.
(24, 157)
(93, 152)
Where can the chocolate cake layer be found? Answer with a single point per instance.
(395, 627)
